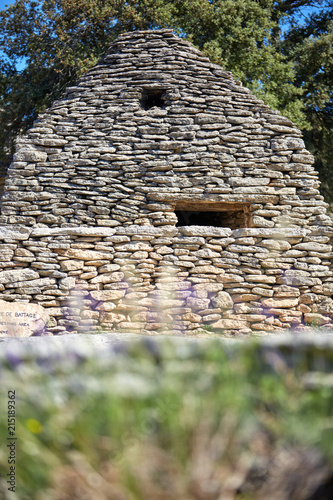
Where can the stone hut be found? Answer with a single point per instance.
(159, 192)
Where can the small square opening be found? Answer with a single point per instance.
(233, 215)
(152, 98)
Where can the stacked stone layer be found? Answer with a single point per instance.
(88, 213)
(141, 277)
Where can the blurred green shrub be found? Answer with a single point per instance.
(165, 420)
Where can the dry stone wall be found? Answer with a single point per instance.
(102, 201)
(148, 278)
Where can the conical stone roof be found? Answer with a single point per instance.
(155, 123)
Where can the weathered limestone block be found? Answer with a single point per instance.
(205, 231)
(192, 317)
(173, 285)
(39, 282)
(88, 275)
(245, 297)
(244, 308)
(112, 277)
(276, 245)
(186, 264)
(229, 278)
(71, 265)
(96, 263)
(286, 291)
(50, 141)
(249, 181)
(85, 255)
(196, 304)
(30, 155)
(208, 318)
(313, 247)
(327, 289)
(297, 278)
(201, 294)
(38, 232)
(106, 306)
(6, 254)
(19, 275)
(250, 318)
(90, 315)
(107, 268)
(262, 291)
(230, 324)
(202, 118)
(279, 303)
(208, 287)
(222, 301)
(55, 311)
(273, 233)
(291, 317)
(285, 144)
(295, 253)
(15, 233)
(67, 283)
(260, 278)
(324, 307)
(316, 319)
(206, 269)
(245, 249)
(19, 319)
(110, 317)
(265, 327)
(262, 222)
(139, 255)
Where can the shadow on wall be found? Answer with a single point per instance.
(2, 181)
(3, 175)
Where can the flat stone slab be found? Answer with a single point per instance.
(72, 231)
(17, 275)
(18, 319)
(14, 233)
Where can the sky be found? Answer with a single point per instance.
(5, 3)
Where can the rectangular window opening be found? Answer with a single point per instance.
(152, 98)
(232, 215)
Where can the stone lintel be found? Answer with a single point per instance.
(72, 231)
(205, 231)
(226, 198)
(148, 230)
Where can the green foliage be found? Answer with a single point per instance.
(208, 328)
(309, 45)
(142, 423)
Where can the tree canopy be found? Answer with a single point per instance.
(281, 49)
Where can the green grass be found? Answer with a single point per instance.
(159, 421)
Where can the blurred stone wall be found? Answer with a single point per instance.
(176, 279)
